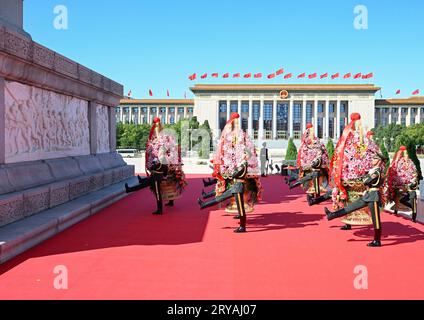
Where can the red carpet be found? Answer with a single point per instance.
(289, 252)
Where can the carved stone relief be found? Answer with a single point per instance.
(42, 124)
(102, 129)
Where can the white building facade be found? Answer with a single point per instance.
(274, 113)
(278, 112)
(143, 111)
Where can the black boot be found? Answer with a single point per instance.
(170, 203)
(159, 208)
(414, 217)
(310, 199)
(377, 239)
(346, 227)
(207, 195)
(336, 214)
(240, 229)
(127, 188)
(140, 179)
(209, 182)
(395, 212)
(226, 195)
(237, 217)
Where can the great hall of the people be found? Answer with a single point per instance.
(276, 112)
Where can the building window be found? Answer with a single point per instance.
(222, 114)
(320, 107)
(162, 110)
(309, 112)
(190, 110)
(153, 110)
(126, 109)
(342, 126)
(144, 109)
(297, 117)
(245, 107)
(172, 119)
(117, 109)
(331, 128)
(268, 116)
(331, 107)
(282, 116)
(422, 115)
(255, 113)
(233, 106)
(320, 127)
(171, 110)
(181, 110)
(342, 107)
(223, 107)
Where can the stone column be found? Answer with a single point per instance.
(261, 120)
(112, 128)
(338, 104)
(290, 133)
(167, 115)
(390, 116)
(304, 102)
(316, 118)
(217, 129)
(228, 110)
(2, 123)
(148, 116)
(327, 118)
(250, 119)
(131, 114)
(408, 116)
(274, 119)
(121, 114)
(92, 123)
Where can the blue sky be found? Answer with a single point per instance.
(157, 44)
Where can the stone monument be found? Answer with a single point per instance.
(57, 133)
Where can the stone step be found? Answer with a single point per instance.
(24, 234)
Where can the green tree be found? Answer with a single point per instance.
(291, 153)
(330, 148)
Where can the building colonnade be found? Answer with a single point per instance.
(278, 119)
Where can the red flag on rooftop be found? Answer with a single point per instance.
(325, 75)
(398, 91)
(288, 76)
(271, 76)
(258, 75)
(416, 92)
(347, 75)
(129, 93)
(215, 75)
(248, 75)
(226, 75)
(302, 75)
(204, 76)
(358, 76)
(167, 93)
(279, 71)
(150, 92)
(193, 77)
(312, 76)
(336, 75)
(368, 76)
(236, 75)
